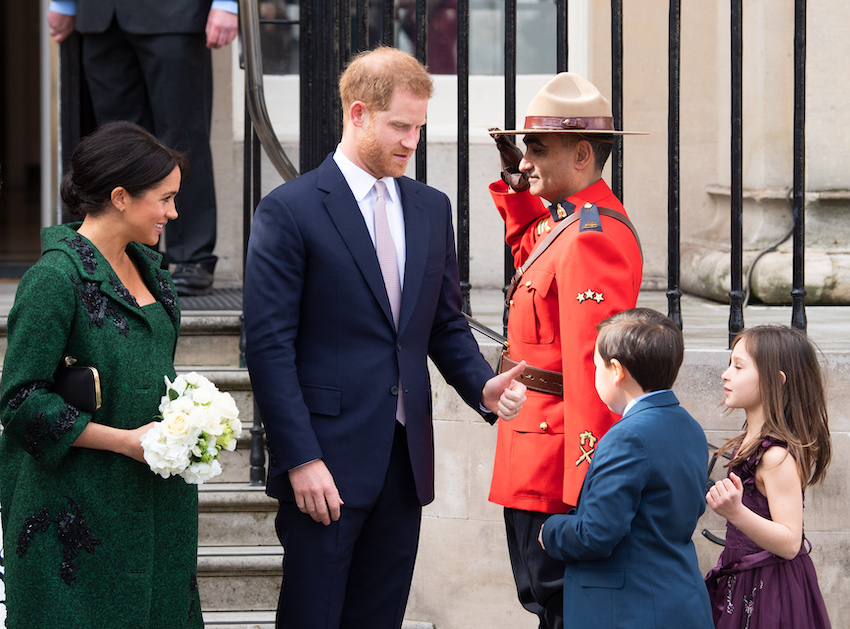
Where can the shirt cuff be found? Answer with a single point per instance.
(64, 7)
(231, 6)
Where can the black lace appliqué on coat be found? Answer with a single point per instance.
(34, 433)
(150, 253)
(37, 523)
(17, 400)
(73, 531)
(38, 429)
(94, 301)
(66, 421)
(167, 295)
(76, 536)
(122, 291)
(98, 307)
(84, 250)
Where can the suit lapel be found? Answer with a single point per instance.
(344, 212)
(417, 236)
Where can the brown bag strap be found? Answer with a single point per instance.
(550, 237)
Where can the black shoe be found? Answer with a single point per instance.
(192, 280)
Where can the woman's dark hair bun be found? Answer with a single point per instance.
(116, 154)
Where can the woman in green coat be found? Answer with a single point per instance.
(92, 537)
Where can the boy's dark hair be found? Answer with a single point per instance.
(646, 342)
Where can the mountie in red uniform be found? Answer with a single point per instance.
(590, 271)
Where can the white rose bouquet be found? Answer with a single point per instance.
(198, 421)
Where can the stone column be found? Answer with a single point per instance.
(768, 160)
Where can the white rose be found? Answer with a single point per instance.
(182, 404)
(198, 473)
(192, 378)
(206, 421)
(225, 406)
(235, 425)
(176, 425)
(203, 395)
(178, 386)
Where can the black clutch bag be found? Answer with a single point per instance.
(78, 386)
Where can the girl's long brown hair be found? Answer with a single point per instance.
(794, 410)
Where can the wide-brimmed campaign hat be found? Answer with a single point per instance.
(568, 103)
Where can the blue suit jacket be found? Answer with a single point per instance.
(630, 559)
(322, 349)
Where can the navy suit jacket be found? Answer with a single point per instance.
(143, 17)
(322, 349)
(630, 559)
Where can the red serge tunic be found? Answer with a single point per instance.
(588, 273)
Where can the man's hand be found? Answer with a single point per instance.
(315, 491)
(61, 26)
(222, 27)
(511, 157)
(503, 394)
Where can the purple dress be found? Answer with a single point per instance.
(752, 588)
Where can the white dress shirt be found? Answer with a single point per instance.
(362, 186)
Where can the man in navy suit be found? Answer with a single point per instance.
(630, 559)
(149, 62)
(338, 335)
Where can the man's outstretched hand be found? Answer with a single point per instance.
(503, 394)
(511, 156)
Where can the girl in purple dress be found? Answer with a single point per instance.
(765, 577)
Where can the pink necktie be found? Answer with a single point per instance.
(388, 259)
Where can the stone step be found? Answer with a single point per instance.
(265, 620)
(239, 620)
(235, 514)
(239, 587)
(209, 338)
(234, 578)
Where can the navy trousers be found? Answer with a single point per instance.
(539, 578)
(164, 84)
(355, 572)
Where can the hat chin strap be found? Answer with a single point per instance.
(590, 123)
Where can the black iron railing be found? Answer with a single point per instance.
(326, 44)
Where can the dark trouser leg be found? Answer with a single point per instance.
(178, 75)
(356, 572)
(115, 79)
(382, 565)
(539, 578)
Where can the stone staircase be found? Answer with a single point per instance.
(239, 557)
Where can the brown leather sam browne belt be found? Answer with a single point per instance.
(534, 378)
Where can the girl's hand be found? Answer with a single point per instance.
(725, 497)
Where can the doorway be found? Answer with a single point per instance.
(20, 137)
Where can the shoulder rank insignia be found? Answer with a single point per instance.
(590, 294)
(543, 227)
(561, 210)
(589, 219)
(586, 438)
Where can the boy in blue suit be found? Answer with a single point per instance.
(630, 559)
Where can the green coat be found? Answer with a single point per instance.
(92, 538)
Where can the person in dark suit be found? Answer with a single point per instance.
(149, 62)
(339, 324)
(630, 561)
